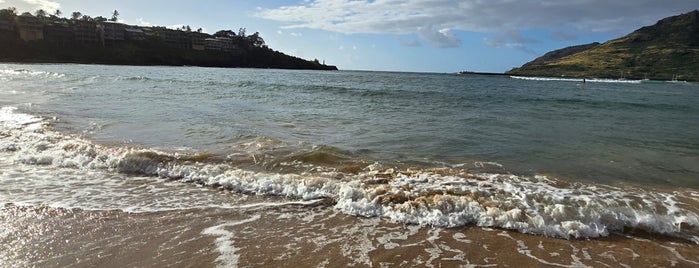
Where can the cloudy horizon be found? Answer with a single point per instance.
(404, 35)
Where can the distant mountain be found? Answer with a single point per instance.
(669, 49)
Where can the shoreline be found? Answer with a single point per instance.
(589, 78)
(39, 62)
(289, 236)
(322, 68)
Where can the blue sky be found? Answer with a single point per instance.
(396, 35)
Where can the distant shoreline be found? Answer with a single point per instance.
(27, 38)
(589, 79)
(480, 73)
(330, 68)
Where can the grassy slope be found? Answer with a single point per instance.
(657, 52)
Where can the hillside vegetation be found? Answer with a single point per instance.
(669, 49)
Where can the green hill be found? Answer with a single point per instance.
(669, 49)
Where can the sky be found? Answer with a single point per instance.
(441, 36)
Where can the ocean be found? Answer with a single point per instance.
(125, 166)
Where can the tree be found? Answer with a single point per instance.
(199, 30)
(100, 19)
(58, 13)
(224, 33)
(9, 13)
(256, 40)
(76, 15)
(115, 16)
(41, 13)
(86, 18)
(188, 29)
(241, 32)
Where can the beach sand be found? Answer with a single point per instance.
(300, 236)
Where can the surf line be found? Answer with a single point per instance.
(224, 241)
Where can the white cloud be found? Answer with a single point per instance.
(511, 39)
(175, 26)
(32, 5)
(435, 20)
(439, 38)
(142, 22)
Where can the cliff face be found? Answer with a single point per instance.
(28, 38)
(663, 51)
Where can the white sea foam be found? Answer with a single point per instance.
(537, 205)
(12, 73)
(224, 241)
(12, 120)
(593, 80)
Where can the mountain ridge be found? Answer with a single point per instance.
(666, 50)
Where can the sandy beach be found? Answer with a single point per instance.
(296, 236)
(122, 166)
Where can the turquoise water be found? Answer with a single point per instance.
(608, 132)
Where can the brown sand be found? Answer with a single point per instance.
(294, 236)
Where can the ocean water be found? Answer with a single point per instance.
(553, 158)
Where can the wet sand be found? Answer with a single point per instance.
(300, 236)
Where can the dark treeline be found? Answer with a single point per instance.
(44, 37)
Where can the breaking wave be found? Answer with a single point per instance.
(593, 80)
(441, 197)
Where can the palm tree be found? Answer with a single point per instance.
(115, 16)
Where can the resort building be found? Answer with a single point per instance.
(86, 32)
(198, 40)
(113, 32)
(134, 33)
(224, 44)
(149, 33)
(29, 27)
(58, 33)
(173, 38)
(7, 25)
